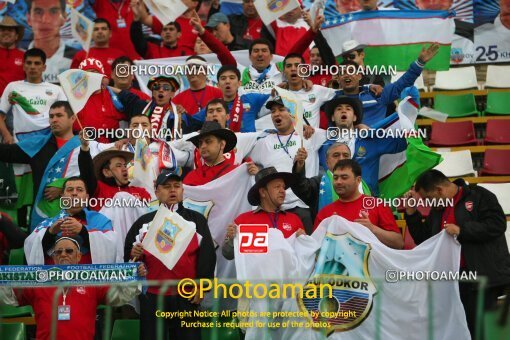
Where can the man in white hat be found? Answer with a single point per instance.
(11, 68)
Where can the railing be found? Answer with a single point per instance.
(214, 334)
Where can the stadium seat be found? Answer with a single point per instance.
(502, 192)
(126, 330)
(461, 105)
(456, 163)
(15, 312)
(419, 83)
(496, 163)
(459, 78)
(498, 103)
(453, 134)
(12, 331)
(497, 131)
(17, 257)
(497, 77)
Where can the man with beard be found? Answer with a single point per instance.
(351, 206)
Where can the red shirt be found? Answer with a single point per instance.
(253, 30)
(140, 94)
(118, 12)
(160, 51)
(104, 190)
(104, 55)
(380, 216)
(100, 113)
(11, 67)
(186, 267)
(449, 218)
(206, 173)
(188, 34)
(83, 302)
(288, 223)
(195, 100)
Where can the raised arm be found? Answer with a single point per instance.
(223, 53)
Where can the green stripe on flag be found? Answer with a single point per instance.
(25, 189)
(419, 158)
(402, 55)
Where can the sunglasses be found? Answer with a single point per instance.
(165, 87)
(59, 252)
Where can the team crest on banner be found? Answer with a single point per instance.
(165, 237)
(276, 5)
(342, 263)
(78, 82)
(203, 207)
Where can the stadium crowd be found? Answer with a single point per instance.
(300, 179)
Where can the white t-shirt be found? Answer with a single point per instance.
(41, 96)
(269, 151)
(494, 34)
(312, 101)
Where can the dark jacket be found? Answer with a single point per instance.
(206, 255)
(307, 189)
(482, 232)
(12, 153)
(238, 26)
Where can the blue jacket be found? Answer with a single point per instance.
(252, 104)
(368, 151)
(374, 108)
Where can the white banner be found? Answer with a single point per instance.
(168, 236)
(366, 275)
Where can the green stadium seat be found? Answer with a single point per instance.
(462, 105)
(126, 330)
(498, 103)
(12, 331)
(17, 257)
(15, 312)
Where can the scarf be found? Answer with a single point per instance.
(16, 98)
(236, 115)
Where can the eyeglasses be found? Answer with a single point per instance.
(59, 252)
(351, 56)
(165, 87)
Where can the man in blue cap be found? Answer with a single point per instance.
(220, 26)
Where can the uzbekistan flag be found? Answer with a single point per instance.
(394, 37)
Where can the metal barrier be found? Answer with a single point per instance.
(215, 332)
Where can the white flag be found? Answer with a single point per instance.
(78, 86)
(81, 28)
(144, 173)
(270, 10)
(168, 237)
(295, 107)
(166, 10)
